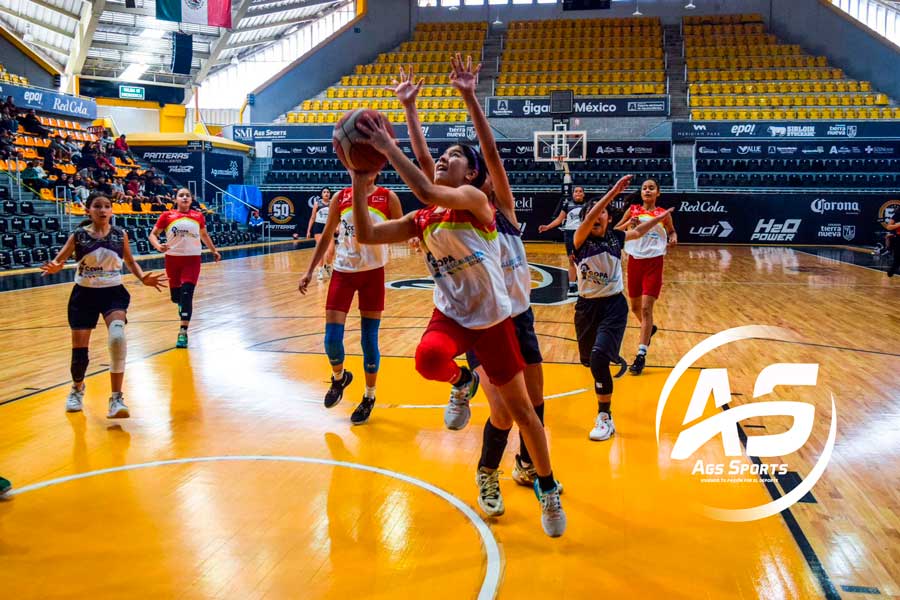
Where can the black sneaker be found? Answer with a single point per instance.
(5, 486)
(362, 412)
(638, 365)
(336, 391)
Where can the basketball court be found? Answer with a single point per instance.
(231, 480)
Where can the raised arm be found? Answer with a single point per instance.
(407, 89)
(395, 230)
(464, 78)
(633, 234)
(464, 197)
(312, 219)
(587, 223)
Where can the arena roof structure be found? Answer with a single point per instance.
(105, 39)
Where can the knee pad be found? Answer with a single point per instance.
(334, 343)
(369, 341)
(603, 381)
(118, 347)
(175, 294)
(186, 301)
(433, 364)
(79, 364)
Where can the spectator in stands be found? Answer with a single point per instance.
(32, 124)
(72, 148)
(8, 121)
(81, 191)
(10, 105)
(8, 148)
(34, 177)
(50, 163)
(149, 175)
(134, 187)
(107, 142)
(102, 186)
(67, 188)
(157, 191)
(256, 224)
(133, 174)
(121, 148)
(106, 167)
(118, 190)
(62, 152)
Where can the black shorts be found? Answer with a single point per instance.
(87, 304)
(569, 240)
(528, 342)
(600, 323)
(318, 228)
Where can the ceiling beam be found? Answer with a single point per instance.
(50, 47)
(290, 6)
(247, 44)
(281, 9)
(35, 22)
(81, 42)
(46, 61)
(275, 24)
(220, 45)
(56, 9)
(140, 46)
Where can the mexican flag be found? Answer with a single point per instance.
(215, 13)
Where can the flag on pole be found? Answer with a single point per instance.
(215, 13)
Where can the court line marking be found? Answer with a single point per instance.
(489, 585)
(842, 262)
(473, 405)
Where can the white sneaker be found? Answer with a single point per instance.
(489, 498)
(75, 400)
(553, 517)
(320, 273)
(117, 408)
(458, 412)
(604, 428)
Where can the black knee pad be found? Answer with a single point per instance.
(603, 381)
(79, 364)
(186, 303)
(175, 294)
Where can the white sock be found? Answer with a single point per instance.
(370, 392)
(642, 349)
(338, 376)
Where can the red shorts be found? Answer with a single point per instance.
(645, 276)
(497, 348)
(369, 285)
(182, 269)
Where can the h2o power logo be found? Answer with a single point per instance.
(724, 425)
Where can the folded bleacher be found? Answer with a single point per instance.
(738, 71)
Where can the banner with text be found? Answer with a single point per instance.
(249, 134)
(287, 211)
(683, 131)
(790, 149)
(614, 106)
(50, 102)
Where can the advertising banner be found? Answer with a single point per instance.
(683, 131)
(797, 149)
(595, 149)
(47, 101)
(286, 210)
(248, 134)
(618, 106)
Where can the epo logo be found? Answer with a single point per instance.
(724, 425)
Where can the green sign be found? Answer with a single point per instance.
(131, 92)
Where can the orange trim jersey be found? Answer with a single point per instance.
(654, 242)
(182, 231)
(463, 256)
(349, 255)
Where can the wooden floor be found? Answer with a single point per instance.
(294, 502)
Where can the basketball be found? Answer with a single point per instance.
(355, 154)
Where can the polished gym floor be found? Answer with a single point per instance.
(231, 480)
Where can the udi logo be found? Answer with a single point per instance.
(762, 456)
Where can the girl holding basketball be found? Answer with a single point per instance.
(100, 249)
(601, 312)
(518, 284)
(185, 228)
(317, 221)
(645, 263)
(473, 308)
(358, 270)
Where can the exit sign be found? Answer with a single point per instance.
(131, 92)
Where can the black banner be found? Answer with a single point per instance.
(780, 219)
(177, 164)
(248, 134)
(614, 149)
(826, 130)
(287, 211)
(614, 106)
(222, 170)
(790, 149)
(323, 149)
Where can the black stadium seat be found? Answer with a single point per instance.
(21, 257)
(28, 240)
(6, 259)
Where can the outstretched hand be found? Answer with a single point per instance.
(622, 184)
(376, 133)
(50, 267)
(463, 76)
(155, 280)
(406, 87)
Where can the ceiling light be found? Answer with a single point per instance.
(234, 60)
(690, 5)
(454, 7)
(497, 22)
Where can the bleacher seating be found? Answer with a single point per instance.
(737, 71)
(798, 173)
(428, 52)
(7, 77)
(592, 57)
